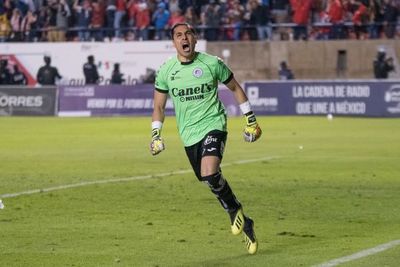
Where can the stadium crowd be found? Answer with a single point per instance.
(116, 20)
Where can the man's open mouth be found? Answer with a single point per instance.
(186, 47)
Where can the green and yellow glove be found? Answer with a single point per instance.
(157, 143)
(252, 131)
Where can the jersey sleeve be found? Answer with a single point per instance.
(160, 83)
(223, 73)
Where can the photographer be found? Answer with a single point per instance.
(382, 65)
(47, 74)
(5, 75)
(90, 71)
(117, 76)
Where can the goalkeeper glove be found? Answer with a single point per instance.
(157, 143)
(252, 131)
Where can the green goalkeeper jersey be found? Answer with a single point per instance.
(193, 88)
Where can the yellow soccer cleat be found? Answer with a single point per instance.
(237, 222)
(250, 236)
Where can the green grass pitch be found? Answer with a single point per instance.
(318, 190)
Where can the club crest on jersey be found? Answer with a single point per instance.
(197, 72)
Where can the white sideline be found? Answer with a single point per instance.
(127, 179)
(361, 254)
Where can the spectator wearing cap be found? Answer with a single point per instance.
(160, 19)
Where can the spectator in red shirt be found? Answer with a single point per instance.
(98, 19)
(176, 17)
(301, 16)
(142, 21)
(335, 11)
(360, 19)
(132, 10)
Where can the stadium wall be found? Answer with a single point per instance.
(348, 59)
(135, 58)
(250, 60)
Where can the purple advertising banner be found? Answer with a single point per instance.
(115, 100)
(24, 101)
(107, 100)
(346, 98)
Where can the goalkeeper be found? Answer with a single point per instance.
(191, 80)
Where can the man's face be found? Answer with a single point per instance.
(185, 42)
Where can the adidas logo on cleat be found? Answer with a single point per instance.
(250, 236)
(237, 222)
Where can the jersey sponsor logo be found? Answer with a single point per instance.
(211, 149)
(197, 72)
(192, 93)
(209, 140)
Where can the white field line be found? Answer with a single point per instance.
(127, 179)
(361, 254)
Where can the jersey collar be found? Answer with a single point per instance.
(190, 62)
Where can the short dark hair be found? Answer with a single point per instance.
(47, 59)
(182, 24)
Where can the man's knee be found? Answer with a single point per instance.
(215, 181)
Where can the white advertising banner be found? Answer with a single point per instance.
(135, 58)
